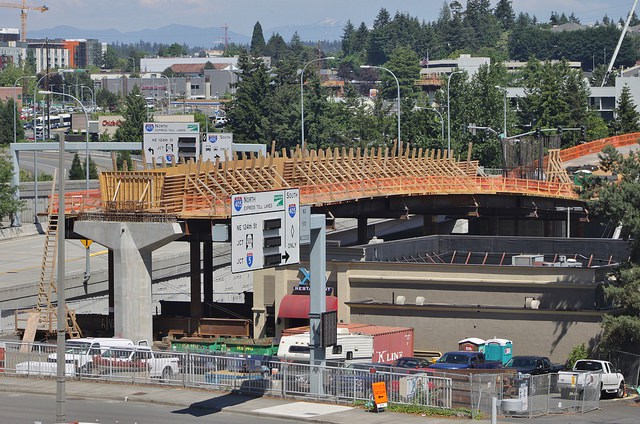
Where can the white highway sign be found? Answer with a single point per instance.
(265, 229)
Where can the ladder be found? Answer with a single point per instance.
(47, 288)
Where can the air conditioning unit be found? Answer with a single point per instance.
(400, 300)
(419, 300)
(535, 304)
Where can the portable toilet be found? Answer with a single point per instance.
(471, 344)
(498, 350)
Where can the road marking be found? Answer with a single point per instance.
(15, 271)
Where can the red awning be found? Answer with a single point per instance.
(297, 306)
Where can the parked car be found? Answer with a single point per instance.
(526, 366)
(464, 360)
(534, 365)
(80, 352)
(576, 380)
(410, 362)
(140, 358)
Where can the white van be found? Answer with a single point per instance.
(80, 352)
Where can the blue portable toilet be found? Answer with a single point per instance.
(498, 350)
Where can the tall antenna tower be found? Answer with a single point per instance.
(226, 36)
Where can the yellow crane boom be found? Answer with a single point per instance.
(23, 15)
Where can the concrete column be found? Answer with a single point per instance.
(343, 291)
(207, 271)
(132, 244)
(196, 295)
(281, 288)
(429, 225)
(363, 236)
(111, 282)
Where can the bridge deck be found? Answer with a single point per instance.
(325, 177)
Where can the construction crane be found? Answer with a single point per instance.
(23, 15)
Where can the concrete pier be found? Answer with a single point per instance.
(132, 244)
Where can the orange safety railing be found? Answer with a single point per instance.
(77, 202)
(597, 146)
(345, 191)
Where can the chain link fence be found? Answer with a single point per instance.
(473, 390)
(629, 366)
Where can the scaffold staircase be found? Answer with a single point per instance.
(44, 316)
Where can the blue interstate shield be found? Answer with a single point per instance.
(213, 138)
(292, 210)
(149, 127)
(237, 203)
(249, 259)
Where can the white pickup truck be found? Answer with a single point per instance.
(137, 359)
(583, 373)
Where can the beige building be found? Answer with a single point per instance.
(545, 310)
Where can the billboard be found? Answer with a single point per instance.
(170, 142)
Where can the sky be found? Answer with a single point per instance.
(241, 15)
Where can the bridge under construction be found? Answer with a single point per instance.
(137, 211)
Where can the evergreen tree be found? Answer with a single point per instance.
(505, 15)
(6, 122)
(76, 172)
(382, 19)
(9, 205)
(347, 38)
(131, 130)
(276, 48)
(257, 40)
(135, 115)
(481, 25)
(627, 116)
(93, 169)
(616, 202)
(249, 111)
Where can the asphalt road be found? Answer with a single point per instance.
(20, 408)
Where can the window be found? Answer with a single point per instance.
(336, 350)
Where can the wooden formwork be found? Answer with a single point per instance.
(323, 176)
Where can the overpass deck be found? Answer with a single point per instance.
(325, 177)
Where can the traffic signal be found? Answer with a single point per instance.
(583, 133)
(538, 132)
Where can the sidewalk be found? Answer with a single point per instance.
(196, 401)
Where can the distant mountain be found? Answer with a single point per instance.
(328, 29)
(183, 34)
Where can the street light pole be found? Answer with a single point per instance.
(15, 100)
(87, 272)
(168, 91)
(398, 100)
(302, 96)
(61, 307)
(449, 111)
(441, 121)
(504, 125)
(35, 155)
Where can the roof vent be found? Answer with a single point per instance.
(419, 300)
(400, 300)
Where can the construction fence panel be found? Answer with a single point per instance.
(484, 387)
(629, 366)
(583, 397)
